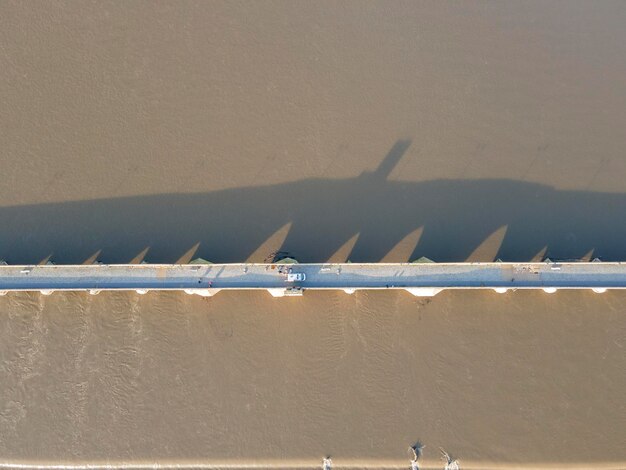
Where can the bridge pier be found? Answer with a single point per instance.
(424, 291)
(277, 292)
(202, 292)
(286, 292)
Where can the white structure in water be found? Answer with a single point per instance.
(420, 279)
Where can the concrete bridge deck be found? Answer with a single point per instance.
(420, 279)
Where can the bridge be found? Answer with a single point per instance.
(207, 279)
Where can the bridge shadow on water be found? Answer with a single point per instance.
(456, 217)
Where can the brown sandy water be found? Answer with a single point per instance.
(331, 130)
(521, 378)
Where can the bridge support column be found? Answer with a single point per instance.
(424, 291)
(277, 292)
(202, 292)
(550, 290)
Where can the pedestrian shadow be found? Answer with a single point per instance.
(455, 217)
